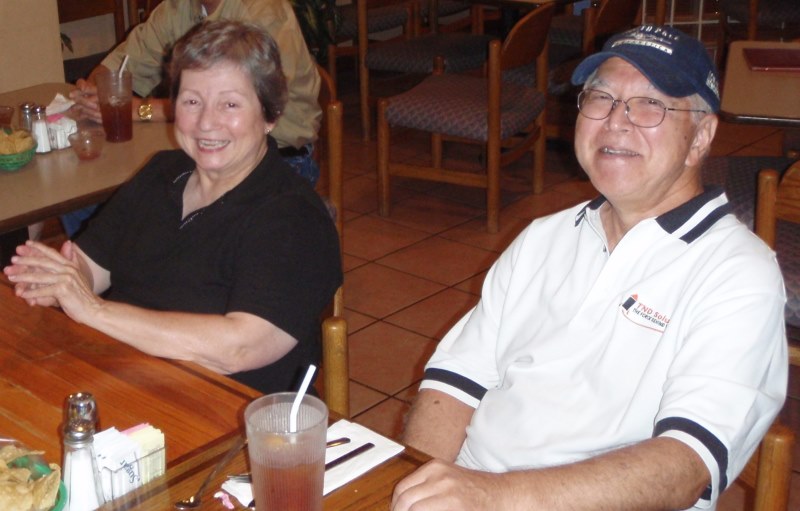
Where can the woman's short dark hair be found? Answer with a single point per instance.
(243, 44)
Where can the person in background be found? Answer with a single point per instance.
(628, 353)
(148, 46)
(217, 253)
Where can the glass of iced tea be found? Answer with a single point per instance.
(287, 467)
(114, 95)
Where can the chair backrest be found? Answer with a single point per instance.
(778, 199)
(335, 372)
(610, 17)
(528, 38)
(768, 473)
(329, 155)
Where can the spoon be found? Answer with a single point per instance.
(194, 501)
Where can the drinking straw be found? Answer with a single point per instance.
(299, 397)
(124, 63)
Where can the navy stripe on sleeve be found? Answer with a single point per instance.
(456, 380)
(712, 443)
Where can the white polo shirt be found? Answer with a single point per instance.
(572, 352)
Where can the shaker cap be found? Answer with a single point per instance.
(81, 406)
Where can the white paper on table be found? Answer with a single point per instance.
(59, 105)
(350, 469)
(347, 471)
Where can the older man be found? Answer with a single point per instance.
(627, 353)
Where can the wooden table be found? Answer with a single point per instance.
(371, 491)
(57, 182)
(44, 356)
(759, 97)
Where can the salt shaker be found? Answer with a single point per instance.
(39, 129)
(81, 477)
(26, 116)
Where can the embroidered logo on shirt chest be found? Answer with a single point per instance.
(643, 315)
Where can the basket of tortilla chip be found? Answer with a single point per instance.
(16, 149)
(27, 482)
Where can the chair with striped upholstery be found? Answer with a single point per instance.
(778, 224)
(458, 51)
(379, 16)
(505, 118)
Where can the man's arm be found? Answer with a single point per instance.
(437, 424)
(659, 473)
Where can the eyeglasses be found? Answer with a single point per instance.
(640, 111)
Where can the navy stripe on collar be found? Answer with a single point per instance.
(676, 218)
(671, 221)
(593, 204)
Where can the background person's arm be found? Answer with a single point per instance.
(85, 95)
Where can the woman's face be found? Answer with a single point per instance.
(219, 121)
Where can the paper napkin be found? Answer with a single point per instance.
(59, 105)
(347, 471)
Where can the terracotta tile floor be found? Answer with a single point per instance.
(410, 276)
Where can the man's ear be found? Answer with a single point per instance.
(701, 143)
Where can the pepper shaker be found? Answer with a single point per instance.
(26, 116)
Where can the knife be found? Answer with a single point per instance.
(350, 455)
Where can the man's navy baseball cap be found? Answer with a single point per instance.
(675, 63)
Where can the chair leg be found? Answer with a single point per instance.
(493, 186)
(332, 61)
(363, 84)
(539, 158)
(384, 197)
(436, 150)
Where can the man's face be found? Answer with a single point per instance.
(642, 171)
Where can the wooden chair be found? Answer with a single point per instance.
(506, 118)
(376, 16)
(767, 476)
(449, 8)
(335, 372)
(415, 56)
(779, 199)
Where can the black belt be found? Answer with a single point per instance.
(289, 151)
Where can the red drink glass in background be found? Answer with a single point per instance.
(287, 468)
(6, 113)
(114, 95)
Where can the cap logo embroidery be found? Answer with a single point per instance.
(650, 40)
(711, 83)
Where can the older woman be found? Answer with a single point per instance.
(217, 253)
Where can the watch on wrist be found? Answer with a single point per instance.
(145, 112)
